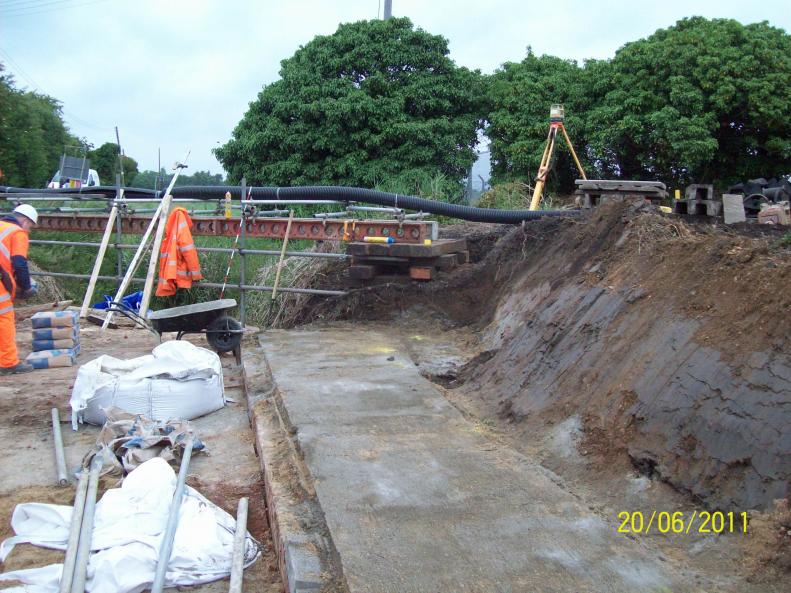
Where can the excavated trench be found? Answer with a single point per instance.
(666, 341)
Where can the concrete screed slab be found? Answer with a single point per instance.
(417, 498)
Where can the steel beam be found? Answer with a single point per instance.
(309, 229)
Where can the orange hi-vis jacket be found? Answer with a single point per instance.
(13, 241)
(179, 264)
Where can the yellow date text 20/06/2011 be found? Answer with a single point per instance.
(677, 522)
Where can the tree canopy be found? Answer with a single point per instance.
(105, 160)
(32, 135)
(520, 95)
(702, 101)
(381, 104)
(377, 100)
(148, 179)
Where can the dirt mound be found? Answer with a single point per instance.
(768, 549)
(461, 296)
(670, 339)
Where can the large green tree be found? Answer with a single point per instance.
(375, 101)
(520, 96)
(704, 100)
(105, 160)
(32, 135)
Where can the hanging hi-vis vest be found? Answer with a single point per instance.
(179, 264)
(11, 243)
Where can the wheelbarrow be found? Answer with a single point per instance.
(223, 332)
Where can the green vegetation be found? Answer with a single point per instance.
(105, 160)
(32, 135)
(148, 179)
(520, 96)
(702, 101)
(380, 104)
(705, 100)
(377, 102)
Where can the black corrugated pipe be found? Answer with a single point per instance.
(107, 190)
(370, 196)
(343, 194)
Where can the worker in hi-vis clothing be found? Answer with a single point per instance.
(15, 281)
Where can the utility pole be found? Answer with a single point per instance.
(120, 156)
(388, 9)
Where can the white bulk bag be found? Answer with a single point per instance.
(177, 380)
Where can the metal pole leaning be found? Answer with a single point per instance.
(60, 454)
(74, 534)
(86, 529)
(237, 561)
(166, 547)
(130, 271)
(119, 235)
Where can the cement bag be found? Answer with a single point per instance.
(177, 380)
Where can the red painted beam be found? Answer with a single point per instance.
(272, 228)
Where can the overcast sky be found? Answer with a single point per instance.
(179, 74)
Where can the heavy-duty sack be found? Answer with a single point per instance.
(177, 380)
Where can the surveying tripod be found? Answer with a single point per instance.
(556, 117)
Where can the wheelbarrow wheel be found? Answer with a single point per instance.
(221, 334)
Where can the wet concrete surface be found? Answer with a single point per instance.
(417, 498)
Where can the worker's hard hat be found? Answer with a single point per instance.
(27, 211)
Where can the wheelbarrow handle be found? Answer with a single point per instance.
(123, 309)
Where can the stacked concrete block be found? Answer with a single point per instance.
(56, 339)
(699, 200)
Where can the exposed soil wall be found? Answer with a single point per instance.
(670, 340)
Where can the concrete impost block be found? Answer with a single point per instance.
(733, 206)
(303, 567)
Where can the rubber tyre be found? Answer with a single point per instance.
(220, 340)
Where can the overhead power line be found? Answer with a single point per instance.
(43, 7)
(37, 87)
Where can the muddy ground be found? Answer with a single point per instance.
(644, 358)
(229, 471)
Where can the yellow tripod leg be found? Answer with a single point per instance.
(573, 153)
(542, 170)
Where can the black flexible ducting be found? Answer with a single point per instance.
(343, 194)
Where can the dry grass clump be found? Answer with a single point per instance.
(297, 272)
